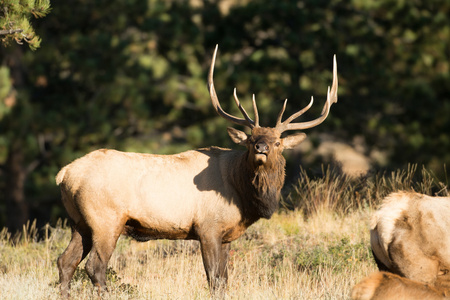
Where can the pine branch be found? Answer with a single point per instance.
(17, 14)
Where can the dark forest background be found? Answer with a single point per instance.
(131, 75)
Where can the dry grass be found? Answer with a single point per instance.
(286, 257)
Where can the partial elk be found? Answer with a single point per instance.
(410, 237)
(389, 286)
(211, 195)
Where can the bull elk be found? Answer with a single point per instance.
(410, 237)
(211, 195)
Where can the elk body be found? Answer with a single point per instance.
(410, 237)
(211, 195)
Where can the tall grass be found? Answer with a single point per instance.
(334, 191)
(317, 250)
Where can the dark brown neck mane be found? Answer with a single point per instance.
(259, 186)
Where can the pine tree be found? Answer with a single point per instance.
(15, 18)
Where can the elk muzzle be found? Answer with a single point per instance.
(261, 151)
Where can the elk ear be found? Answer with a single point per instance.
(293, 140)
(237, 136)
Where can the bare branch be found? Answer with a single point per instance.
(10, 31)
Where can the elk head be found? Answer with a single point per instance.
(266, 143)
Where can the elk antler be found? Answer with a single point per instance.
(215, 101)
(331, 98)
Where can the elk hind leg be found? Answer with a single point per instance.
(412, 263)
(104, 243)
(79, 246)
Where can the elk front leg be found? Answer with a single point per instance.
(215, 258)
(223, 266)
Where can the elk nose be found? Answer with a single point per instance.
(261, 147)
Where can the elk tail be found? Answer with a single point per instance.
(60, 176)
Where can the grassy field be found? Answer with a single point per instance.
(316, 249)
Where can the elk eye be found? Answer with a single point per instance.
(277, 144)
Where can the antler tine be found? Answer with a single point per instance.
(283, 126)
(242, 109)
(280, 115)
(331, 98)
(215, 101)
(255, 110)
(334, 85)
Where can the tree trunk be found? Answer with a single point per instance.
(16, 205)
